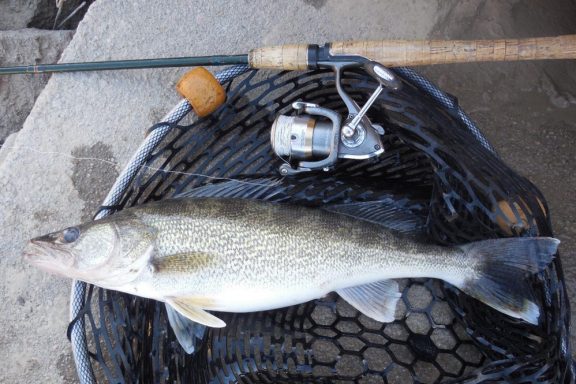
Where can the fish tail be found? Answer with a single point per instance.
(500, 279)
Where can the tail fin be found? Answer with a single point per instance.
(501, 279)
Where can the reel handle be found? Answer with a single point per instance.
(397, 53)
(202, 90)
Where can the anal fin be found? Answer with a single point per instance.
(188, 332)
(190, 308)
(376, 300)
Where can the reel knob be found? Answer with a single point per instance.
(204, 93)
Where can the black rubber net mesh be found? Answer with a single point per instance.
(432, 166)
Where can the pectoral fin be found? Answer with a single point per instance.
(189, 308)
(188, 332)
(375, 300)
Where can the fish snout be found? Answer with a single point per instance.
(42, 252)
(46, 239)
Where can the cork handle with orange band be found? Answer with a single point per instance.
(394, 53)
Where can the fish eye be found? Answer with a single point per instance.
(70, 235)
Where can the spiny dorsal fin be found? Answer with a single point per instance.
(190, 308)
(188, 332)
(257, 189)
(376, 300)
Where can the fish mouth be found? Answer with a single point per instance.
(42, 253)
(34, 251)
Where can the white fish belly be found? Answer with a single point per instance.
(253, 297)
(244, 299)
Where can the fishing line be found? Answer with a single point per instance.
(147, 167)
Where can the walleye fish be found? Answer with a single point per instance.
(206, 254)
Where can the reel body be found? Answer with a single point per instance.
(307, 142)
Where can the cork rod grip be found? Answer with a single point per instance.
(395, 53)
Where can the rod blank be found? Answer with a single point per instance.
(127, 64)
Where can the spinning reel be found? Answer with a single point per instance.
(316, 137)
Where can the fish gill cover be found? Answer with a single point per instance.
(433, 167)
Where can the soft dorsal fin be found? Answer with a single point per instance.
(376, 300)
(188, 332)
(387, 212)
(190, 308)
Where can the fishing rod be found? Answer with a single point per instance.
(390, 53)
(312, 137)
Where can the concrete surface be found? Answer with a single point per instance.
(18, 93)
(20, 14)
(526, 109)
(17, 14)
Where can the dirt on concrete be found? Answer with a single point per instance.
(94, 170)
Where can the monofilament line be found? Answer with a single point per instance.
(146, 167)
